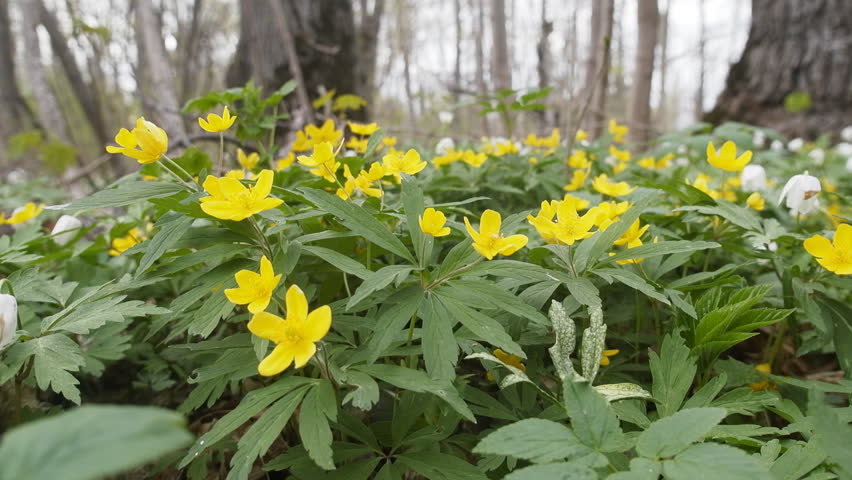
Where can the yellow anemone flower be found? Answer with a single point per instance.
(325, 133)
(122, 244)
(301, 142)
(605, 356)
(508, 359)
(362, 183)
(765, 384)
(248, 162)
(215, 123)
(285, 162)
(363, 129)
(620, 155)
(579, 159)
(357, 144)
(146, 142)
(323, 159)
(617, 131)
(632, 235)
(295, 337)
(578, 178)
(834, 256)
(604, 185)
(255, 289)
(432, 223)
(726, 158)
(22, 214)
(231, 200)
(581, 135)
(473, 159)
(488, 241)
(505, 148)
(569, 227)
(756, 201)
(397, 163)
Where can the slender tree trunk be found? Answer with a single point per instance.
(698, 100)
(640, 98)
(45, 101)
(190, 62)
(292, 60)
(544, 62)
(662, 112)
(404, 39)
(14, 114)
(500, 67)
(793, 46)
(597, 73)
(479, 54)
(368, 42)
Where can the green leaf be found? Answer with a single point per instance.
(396, 312)
(340, 261)
(418, 381)
(591, 249)
(315, 432)
(91, 442)
(358, 220)
(833, 434)
(440, 349)
(672, 371)
(631, 280)
(841, 318)
(374, 142)
(55, 356)
(440, 466)
(124, 194)
(741, 216)
(533, 439)
(172, 227)
(490, 296)
(649, 250)
(484, 327)
(709, 461)
(366, 393)
(671, 435)
(592, 419)
(554, 471)
(378, 280)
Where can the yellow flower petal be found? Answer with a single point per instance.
(276, 362)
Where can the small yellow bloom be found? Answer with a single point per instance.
(620, 155)
(215, 123)
(301, 143)
(231, 200)
(432, 223)
(604, 185)
(726, 158)
(755, 201)
(146, 142)
(619, 167)
(248, 162)
(363, 129)
(121, 244)
(323, 159)
(505, 148)
(22, 214)
(363, 183)
(295, 337)
(285, 162)
(359, 145)
(617, 131)
(238, 174)
(325, 133)
(578, 178)
(396, 163)
(508, 359)
(579, 159)
(834, 256)
(488, 241)
(255, 289)
(609, 213)
(605, 356)
(389, 141)
(765, 384)
(632, 239)
(581, 135)
(473, 159)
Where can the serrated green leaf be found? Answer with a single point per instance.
(672, 371)
(671, 435)
(124, 194)
(315, 432)
(534, 439)
(55, 357)
(710, 461)
(171, 228)
(592, 419)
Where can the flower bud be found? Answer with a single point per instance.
(753, 178)
(817, 155)
(801, 193)
(846, 133)
(445, 145)
(776, 145)
(795, 144)
(65, 229)
(849, 164)
(759, 138)
(8, 319)
(445, 117)
(844, 149)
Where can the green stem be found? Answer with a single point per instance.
(411, 358)
(170, 164)
(264, 243)
(452, 274)
(220, 169)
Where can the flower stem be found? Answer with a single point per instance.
(452, 274)
(220, 169)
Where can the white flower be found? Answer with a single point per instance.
(611, 161)
(682, 149)
(8, 318)
(17, 176)
(65, 229)
(759, 138)
(445, 145)
(681, 161)
(801, 193)
(795, 144)
(753, 178)
(776, 145)
(846, 133)
(818, 156)
(844, 149)
(849, 164)
(445, 117)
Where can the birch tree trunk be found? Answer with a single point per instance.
(639, 117)
(14, 114)
(597, 68)
(793, 46)
(501, 70)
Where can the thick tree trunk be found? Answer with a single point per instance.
(597, 66)
(14, 114)
(792, 46)
(662, 113)
(159, 97)
(640, 99)
(368, 42)
(501, 70)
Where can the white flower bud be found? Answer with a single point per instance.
(801, 193)
(846, 133)
(445, 117)
(445, 145)
(753, 178)
(65, 229)
(681, 161)
(817, 155)
(17, 176)
(8, 319)
(759, 138)
(849, 164)
(776, 145)
(795, 144)
(844, 149)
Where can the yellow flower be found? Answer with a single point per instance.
(151, 140)
(631, 237)
(508, 359)
(215, 123)
(609, 213)
(579, 159)
(605, 356)
(255, 289)
(604, 185)
(121, 244)
(326, 133)
(363, 129)
(505, 148)
(617, 131)
(765, 384)
(619, 167)
(301, 143)
(285, 162)
(362, 182)
(570, 226)
(236, 174)
(389, 141)
(835, 256)
(489, 242)
(581, 135)
(755, 201)
(726, 158)
(22, 214)
(248, 162)
(324, 160)
(357, 144)
(231, 200)
(620, 155)
(397, 163)
(295, 337)
(473, 159)
(432, 223)
(578, 178)
(577, 202)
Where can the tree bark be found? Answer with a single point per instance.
(544, 61)
(500, 67)
(159, 97)
(14, 114)
(368, 42)
(190, 47)
(640, 99)
(698, 99)
(792, 46)
(662, 121)
(597, 69)
(479, 56)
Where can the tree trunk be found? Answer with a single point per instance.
(49, 113)
(159, 98)
(500, 67)
(368, 42)
(698, 100)
(640, 98)
(324, 34)
(597, 69)
(479, 58)
(404, 41)
(189, 64)
(662, 121)
(14, 114)
(793, 46)
(544, 62)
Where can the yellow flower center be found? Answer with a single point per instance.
(292, 334)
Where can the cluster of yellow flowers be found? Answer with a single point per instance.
(468, 156)
(21, 214)
(122, 244)
(358, 142)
